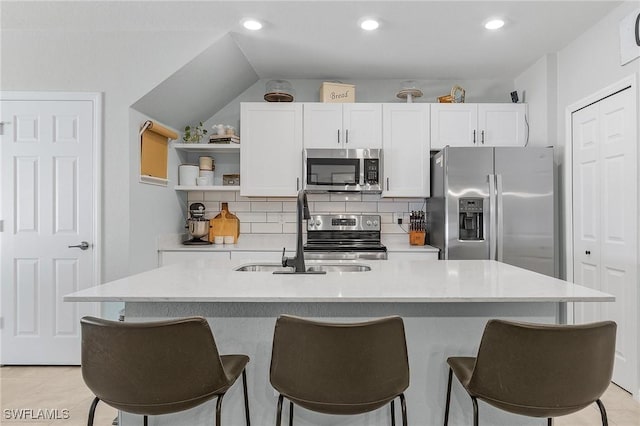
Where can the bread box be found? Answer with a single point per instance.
(337, 92)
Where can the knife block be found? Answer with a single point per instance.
(417, 238)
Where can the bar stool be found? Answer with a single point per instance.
(154, 368)
(538, 370)
(338, 368)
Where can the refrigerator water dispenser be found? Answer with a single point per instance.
(470, 223)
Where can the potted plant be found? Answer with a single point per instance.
(194, 134)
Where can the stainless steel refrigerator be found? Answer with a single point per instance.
(494, 203)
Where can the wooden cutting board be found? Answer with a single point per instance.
(224, 224)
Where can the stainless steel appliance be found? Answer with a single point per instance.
(197, 225)
(494, 203)
(344, 236)
(342, 170)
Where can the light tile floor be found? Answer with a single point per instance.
(62, 388)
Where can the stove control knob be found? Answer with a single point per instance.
(375, 223)
(311, 222)
(369, 223)
(318, 222)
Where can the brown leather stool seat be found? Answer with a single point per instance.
(538, 370)
(338, 368)
(154, 368)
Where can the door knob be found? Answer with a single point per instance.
(587, 252)
(82, 246)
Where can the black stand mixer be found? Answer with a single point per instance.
(197, 225)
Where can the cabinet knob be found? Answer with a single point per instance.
(338, 136)
(587, 252)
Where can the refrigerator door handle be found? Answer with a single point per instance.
(500, 219)
(492, 217)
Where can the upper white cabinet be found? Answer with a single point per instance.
(271, 149)
(478, 125)
(405, 150)
(348, 125)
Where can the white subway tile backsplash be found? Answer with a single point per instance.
(241, 198)
(220, 196)
(318, 197)
(266, 228)
(327, 207)
(390, 228)
(239, 206)
(195, 196)
(290, 228)
(386, 217)
(266, 206)
(345, 197)
(275, 215)
(289, 206)
(281, 217)
(371, 197)
(252, 216)
(361, 207)
(393, 207)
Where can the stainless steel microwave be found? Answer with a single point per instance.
(342, 170)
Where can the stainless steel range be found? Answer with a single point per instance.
(344, 236)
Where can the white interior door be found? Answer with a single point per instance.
(605, 206)
(49, 195)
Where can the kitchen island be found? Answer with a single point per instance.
(445, 305)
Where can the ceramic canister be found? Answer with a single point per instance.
(208, 174)
(187, 174)
(206, 163)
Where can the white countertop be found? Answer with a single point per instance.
(275, 242)
(406, 281)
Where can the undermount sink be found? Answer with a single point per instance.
(326, 267)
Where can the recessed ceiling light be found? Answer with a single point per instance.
(494, 24)
(369, 24)
(252, 24)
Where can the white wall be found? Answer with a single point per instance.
(537, 88)
(124, 65)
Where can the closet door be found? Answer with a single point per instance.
(605, 209)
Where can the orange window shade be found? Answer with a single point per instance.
(154, 147)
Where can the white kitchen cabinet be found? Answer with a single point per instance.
(271, 149)
(405, 150)
(171, 257)
(491, 124)
(348, 125)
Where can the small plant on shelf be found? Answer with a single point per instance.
(194, 134)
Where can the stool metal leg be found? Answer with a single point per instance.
(219, 409)
(475, 411)
(279, 413)
(549, 421)
(446, 409)
(393, 413)
(145, 420)
(92, 411)
(603, 413)
(290, 413)
(403, 405)
(246, 396)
